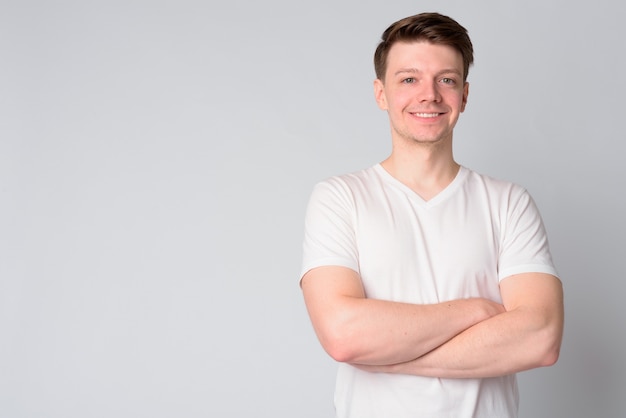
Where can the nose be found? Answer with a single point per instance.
(429, 92)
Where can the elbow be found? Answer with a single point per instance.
(340, 344)
(549, 358)
(340, 353)
(549, 347)
(545, 343)
(552, 352)
(340, 350)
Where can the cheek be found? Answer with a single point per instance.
(457, 100)
(399, 99)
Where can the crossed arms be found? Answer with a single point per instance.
(464, 338)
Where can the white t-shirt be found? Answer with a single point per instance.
(459, 244)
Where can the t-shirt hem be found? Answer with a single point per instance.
(527, 268)
(339, 262)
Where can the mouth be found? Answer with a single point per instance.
(426, 115)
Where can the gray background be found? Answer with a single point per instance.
(155, 162)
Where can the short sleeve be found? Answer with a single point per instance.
(524, 247)
(329, 233)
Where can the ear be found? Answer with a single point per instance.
(465, 94)
(379, 94)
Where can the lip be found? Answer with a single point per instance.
(427, 116)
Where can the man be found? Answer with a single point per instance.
(431, 284)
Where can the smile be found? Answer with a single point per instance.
(427, 115)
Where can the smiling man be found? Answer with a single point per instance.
(430, 283)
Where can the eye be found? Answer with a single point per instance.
(408, 80)
(448, 80)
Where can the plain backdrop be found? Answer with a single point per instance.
(156, 158)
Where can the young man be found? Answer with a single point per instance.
(431, 284)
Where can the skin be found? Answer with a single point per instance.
(526, 336)
(423, 93)
(371, 332)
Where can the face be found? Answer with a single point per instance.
(423, 92)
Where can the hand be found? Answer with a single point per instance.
(488, 307)
(479, 309)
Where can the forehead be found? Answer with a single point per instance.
(423, 56)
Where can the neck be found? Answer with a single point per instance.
(426, 170)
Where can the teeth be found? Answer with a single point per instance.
(427, 115)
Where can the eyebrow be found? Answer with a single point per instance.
(415, 71)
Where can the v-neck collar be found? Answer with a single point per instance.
(435, 200)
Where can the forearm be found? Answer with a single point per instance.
(501, 345)
(355, 329)
(380, 332)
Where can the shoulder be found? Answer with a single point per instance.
(496, 188)
(507, 199)
(491, 182)
(347, 184)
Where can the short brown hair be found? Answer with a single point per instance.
(431, 27)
